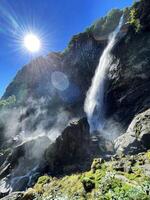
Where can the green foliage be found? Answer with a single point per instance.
(8, 102)
(43, 180)
(29, 194)
(148, 155)
(132, 193)
(40, 183)
(102, 182)
(134, 20)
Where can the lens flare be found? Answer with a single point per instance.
(32, 43)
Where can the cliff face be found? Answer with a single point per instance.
(49, 92)
(129, 80)
(77, 62)
(127, 93)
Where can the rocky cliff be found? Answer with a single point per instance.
(128, 90)
(50, 91)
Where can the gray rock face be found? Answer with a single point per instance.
(137, 137)
(71, 149)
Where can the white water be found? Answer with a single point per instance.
(94, 103)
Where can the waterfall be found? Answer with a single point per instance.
(94, 105)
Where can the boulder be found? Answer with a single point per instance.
(70, 149)
(137, 137)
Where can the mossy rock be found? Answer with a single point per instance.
(30, 194)
(41, 182)
(88, 184)
(97, 164)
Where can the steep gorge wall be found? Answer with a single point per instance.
(129, 81)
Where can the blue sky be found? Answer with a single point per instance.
(55, 21)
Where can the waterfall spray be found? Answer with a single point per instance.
(94, 103)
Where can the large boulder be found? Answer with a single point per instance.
(137, 137)
(71, 150)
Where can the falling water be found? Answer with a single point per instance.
(94, 102)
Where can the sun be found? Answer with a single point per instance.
(32, 43)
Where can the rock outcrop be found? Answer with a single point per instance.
(137, 137)
(72, 149)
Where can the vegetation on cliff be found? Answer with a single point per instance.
(124, 177)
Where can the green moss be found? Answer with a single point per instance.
(137, 174)
(43, 180)
(40, 183)
(29, 194)
(148, 155)
(100, 183)
(97, 164)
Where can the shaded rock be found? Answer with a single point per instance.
(14, 196)
(3, 194)
(137, 137)
(101, 145)
(71, 148)
(88, 184)
(129, 75)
